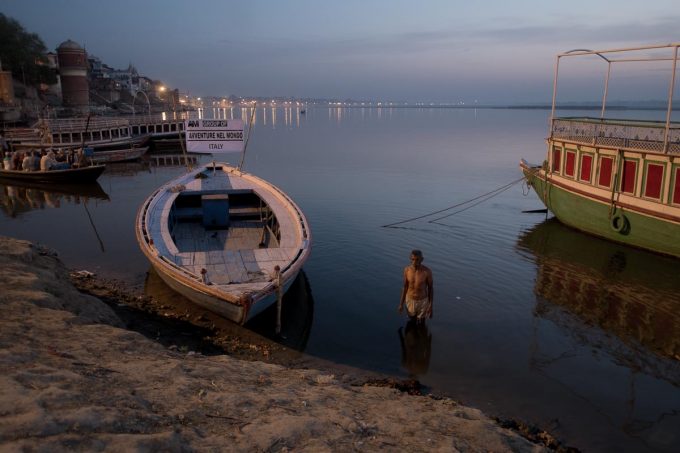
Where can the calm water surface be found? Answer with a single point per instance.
(532, 320)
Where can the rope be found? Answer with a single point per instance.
(498, 192)
(615, 185)
(245, 145)
(181, 144)
(184, 151)
(493, 192)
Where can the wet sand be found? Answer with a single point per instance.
(89, 365)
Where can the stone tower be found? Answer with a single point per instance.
(73, 74)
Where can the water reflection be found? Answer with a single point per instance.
(127, 168)
(416, 347)
(296, 315)
(21, 197)
(634, 295)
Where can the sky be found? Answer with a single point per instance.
(487, 51)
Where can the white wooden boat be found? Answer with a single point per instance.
(217, 236)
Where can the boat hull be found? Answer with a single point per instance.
(594, 215)
(232, 311)
(68, 176)
(119, 155)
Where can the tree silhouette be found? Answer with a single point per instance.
(23, 53)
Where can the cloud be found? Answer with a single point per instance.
(569, 29)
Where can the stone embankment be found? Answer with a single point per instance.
(72, 377)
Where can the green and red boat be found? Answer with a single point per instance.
(613, 178)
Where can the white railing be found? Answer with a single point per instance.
(154, 119)
(648, 136)
(80, 124)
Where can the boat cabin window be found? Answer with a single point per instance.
(106, 135)
(97, 135)
(114, 133)
(65, 138)
(629, 176)
(676, 186)
(135, 130)
(557, 153)
(653, 180)
(606, 166)
(586, 167)
(569, 163)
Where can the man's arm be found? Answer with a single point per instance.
(430, 293)
(404, 290)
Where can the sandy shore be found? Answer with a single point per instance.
(74, 377)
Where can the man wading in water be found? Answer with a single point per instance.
(417, 293)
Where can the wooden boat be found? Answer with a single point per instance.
(110, 139)
(119, 155)
(158, 126)
(617, 179)
(217, 235)
(81, 175)
(94, 132)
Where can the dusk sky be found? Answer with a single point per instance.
(443, 50)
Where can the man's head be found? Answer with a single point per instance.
(416, 257)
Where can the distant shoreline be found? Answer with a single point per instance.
(498, 107)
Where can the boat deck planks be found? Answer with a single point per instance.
(229, 256)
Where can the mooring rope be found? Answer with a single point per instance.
(245, 145)
(497, 192)
(486, 196)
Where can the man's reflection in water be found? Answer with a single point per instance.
(416, 347)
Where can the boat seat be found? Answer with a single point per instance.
(215, 209)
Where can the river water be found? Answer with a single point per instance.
(532, 320)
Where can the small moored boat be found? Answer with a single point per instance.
(225, 239)
(613, 178)
(119, 155)
(64, 176)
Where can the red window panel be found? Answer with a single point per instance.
(557, 153)
(586, 167)
(653, 180)
(606, 166)
(570, 163)
(629, 175)
(676, 188)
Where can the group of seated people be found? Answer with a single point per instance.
(41, 160)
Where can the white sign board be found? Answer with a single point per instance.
(214, 136)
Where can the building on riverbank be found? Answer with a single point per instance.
(73, 65)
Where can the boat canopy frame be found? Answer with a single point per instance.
(606, 56)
